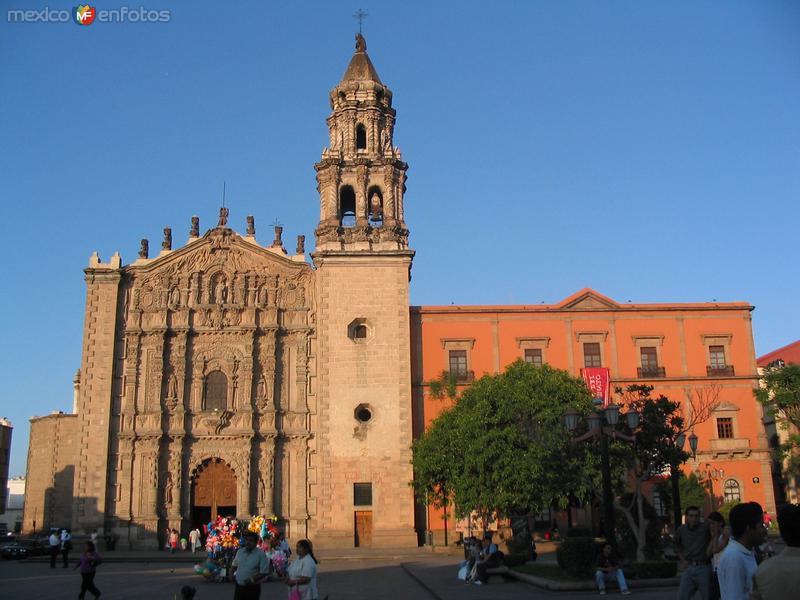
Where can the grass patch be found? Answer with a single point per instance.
(547, 571)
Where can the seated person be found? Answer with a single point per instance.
(607, 569)
(491, 558)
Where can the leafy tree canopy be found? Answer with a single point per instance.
(504, 448)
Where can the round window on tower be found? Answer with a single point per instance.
(363, 413)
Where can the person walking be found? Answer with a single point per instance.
(87, 563)
(248, 568)
(691, 542)
(66, 546)
(302, 573)
(55, 547)
(779, 578)
(173, 541)
(194, 539)
(738, 562)
(608, 569)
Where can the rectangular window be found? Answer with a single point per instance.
(458, 363)
(649, 358)
(716, 357)
(534, 356)
(725, 428)
(591, 355)
(362, 494)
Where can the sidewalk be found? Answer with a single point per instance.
(164, 557)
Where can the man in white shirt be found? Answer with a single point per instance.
(737, 566)
(249, 567)
(55, 547)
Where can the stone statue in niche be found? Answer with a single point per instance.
(224, 293)
(262, 491)
(175, 297)
(172, 387)
(261, 388)
(168, 485)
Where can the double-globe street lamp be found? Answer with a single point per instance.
(602, 424)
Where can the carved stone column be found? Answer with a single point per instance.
(361, 195)
(241, 465)
(389, 212)
(297, 513)
(265, 481)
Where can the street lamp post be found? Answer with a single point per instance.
(674, 474)
(602, 423)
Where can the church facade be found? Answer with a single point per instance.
(226, 377)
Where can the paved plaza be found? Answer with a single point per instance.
(431, 577)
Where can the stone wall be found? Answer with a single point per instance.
(52, 455)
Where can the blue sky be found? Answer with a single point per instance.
(646, 149)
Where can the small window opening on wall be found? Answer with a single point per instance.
(362, 494)
(591, 355)
(533, 356)
(360, 331)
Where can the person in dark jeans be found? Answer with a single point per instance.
(491, 558)
(88, 565)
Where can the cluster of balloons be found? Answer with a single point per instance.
(223, 534)
(210, 570)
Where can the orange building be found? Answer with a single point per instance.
(689, 352)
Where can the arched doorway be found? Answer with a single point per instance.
(213, 492)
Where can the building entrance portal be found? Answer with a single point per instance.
(213, 492)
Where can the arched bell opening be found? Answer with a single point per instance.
(347, 206)
(361, 138)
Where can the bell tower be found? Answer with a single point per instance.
(360, 463)
(361, 177)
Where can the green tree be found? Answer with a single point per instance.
(780, 395)
(651, 454)
(503, 448)
(692, 492)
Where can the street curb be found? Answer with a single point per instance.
(168, 560)
(582, 586)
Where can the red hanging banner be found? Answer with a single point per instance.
(598, 381)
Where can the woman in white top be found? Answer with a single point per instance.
(302, 573)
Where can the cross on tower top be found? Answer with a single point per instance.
(359, 16)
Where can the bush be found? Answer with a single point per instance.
(514, 560)
(576, 556)
(655, 569)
